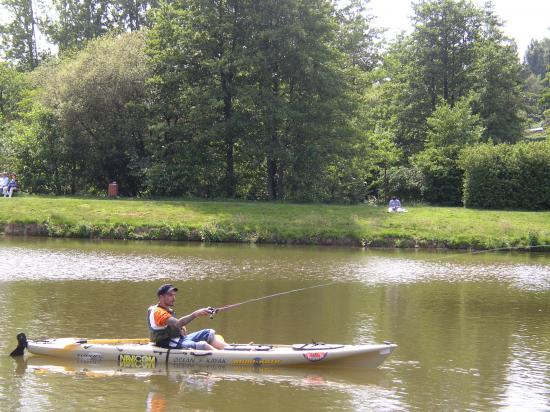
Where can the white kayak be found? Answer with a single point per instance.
(142, 354)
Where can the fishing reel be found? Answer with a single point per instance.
(212, 311)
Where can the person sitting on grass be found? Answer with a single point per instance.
(395, 206)
(11, 187)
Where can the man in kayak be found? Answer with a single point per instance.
(167, 331)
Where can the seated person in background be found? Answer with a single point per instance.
(12, 186)
(395, 205)
(4, 180)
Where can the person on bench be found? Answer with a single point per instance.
(4, 180)
(11, 187)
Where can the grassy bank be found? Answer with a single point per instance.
(258, 222)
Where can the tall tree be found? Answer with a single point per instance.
(301, 96)
(97, 98)
(12, 90)
(78, 21)
(537, 56)
(18, 36)
(456, 50)
(444, 35)
(197, 53)
(132, 14)
(498, 95)
(244, 85)
(357, 37)
(545, 99)
(228, 47)
(537, 62)
(498, 85)
(432, 63)
(12, 84)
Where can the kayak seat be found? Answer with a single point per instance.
(244, 347)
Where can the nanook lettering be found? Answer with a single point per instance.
(137, 361)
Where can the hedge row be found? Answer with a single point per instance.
(507, 176)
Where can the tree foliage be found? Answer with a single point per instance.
(271, 100)
(258, 92)
(450, 129)
(498, 89)
(18, 36)
(453, 126)
(197, 49)
(77, 22)
(456, 50)
(537, 57)
(507, 176)
(13, 88)
(545, 100)
(97, 98)
(12, 84)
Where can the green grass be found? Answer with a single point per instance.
(262, 222)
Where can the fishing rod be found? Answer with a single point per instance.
(213, 310)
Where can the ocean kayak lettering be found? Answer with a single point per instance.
(137, 361)
(215, 360)
(89, 358)
(256, 361)
(315, 356)
(181, 360)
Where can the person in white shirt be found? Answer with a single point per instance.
(4, 180)
(395, 206)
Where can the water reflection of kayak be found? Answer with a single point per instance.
(197, 377)
(141, 354)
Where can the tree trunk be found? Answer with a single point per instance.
(280, 180)
(272, 179)
(385, 184)
(229, 170)
(31, 37)
(226, 49)
(73, 179)
(229, 138)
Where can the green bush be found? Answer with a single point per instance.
(405, 181)
(440, 175)
(507, 176)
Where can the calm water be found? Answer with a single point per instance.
(473, 329)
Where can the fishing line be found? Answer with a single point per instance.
(213, 310)
(499, 249)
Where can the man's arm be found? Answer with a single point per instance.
(184, 320)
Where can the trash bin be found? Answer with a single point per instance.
(112, 191)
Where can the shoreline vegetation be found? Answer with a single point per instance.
(273, 223)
